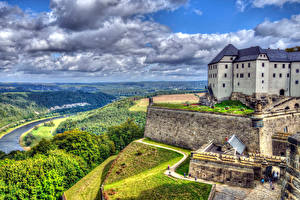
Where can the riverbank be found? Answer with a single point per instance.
(10, 141)
(42, 132)
(20, 125)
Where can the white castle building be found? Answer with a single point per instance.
(254, 70)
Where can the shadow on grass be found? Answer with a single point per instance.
(184, 191)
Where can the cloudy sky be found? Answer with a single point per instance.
(134, 40)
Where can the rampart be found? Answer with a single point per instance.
(191, 130)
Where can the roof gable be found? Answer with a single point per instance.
(229, 50)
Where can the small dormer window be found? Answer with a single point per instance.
(231, 58)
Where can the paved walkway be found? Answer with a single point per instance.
(226, 192)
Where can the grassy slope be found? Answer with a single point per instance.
(184, 167)
(233, 107)
(140, 105)
(88, 187)
(138, 174)
(43, 132)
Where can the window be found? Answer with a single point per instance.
(280, 75)
(274, 75)
(275, 66)
(243, 65)
(289, 66)
(296, 82)
(262, 74)
(288, 75)
(262, 81)
(241, 75)
(225, 75)
(297, 70)
(238, 83)
(226, 66)
(249, 65)
(264, 55)
(263, 64)
(248, 75)
(237, 75)
(231, 58)
(237, 66)
(283, 66)
(223, 85)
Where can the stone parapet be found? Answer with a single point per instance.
(291, 183)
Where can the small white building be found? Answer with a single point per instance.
(254, 70)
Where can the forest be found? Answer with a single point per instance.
(32, 105)
(55, 165)
(99, 120)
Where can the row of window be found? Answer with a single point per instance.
(237, 65)
(283, 66)
(224, 85)
(212, 67)
(212, 75)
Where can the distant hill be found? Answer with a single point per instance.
(15, 106)
(97, 121)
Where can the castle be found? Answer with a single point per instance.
(239, 149)
(254, 70)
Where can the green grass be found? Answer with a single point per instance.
(42, 132)
(88, 187)
(138, 174)
(140, 105)
(184, 167)
(149, 141)
(227, 107)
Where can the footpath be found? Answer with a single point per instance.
(222, 191)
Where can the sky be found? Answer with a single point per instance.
(134, 40)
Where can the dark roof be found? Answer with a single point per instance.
(294, 56)
(229, 50)
(274, 55)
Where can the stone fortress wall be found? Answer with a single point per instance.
(191, 130)
(291, 183)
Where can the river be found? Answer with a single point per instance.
(10, 141)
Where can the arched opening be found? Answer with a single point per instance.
(296, 106)
(281, 92)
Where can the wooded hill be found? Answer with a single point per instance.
(31, 105)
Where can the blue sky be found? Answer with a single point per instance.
(96, 40)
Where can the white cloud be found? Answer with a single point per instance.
(119, 47)
(262, 3)
(198, 12)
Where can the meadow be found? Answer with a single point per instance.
(137, 173)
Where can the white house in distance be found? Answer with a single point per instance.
(254, 70)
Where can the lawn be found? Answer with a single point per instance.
(229, 107)
(88, 188)
(184, 167)
(186, 151)
(34, 136)
(138, 174)
(140, 105)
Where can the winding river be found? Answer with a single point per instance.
(10, 141)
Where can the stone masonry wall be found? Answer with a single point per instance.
(193, 129)
(222, 173)
(291, 183)
(289, 122)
